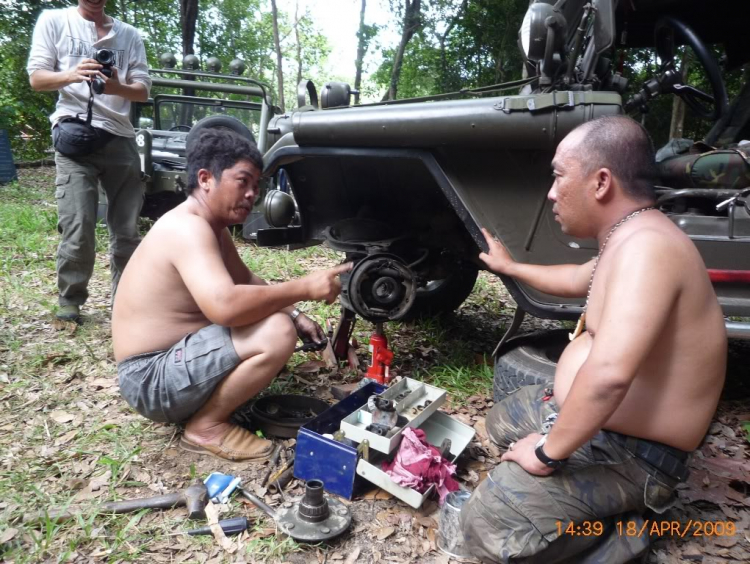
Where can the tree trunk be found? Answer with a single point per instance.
(412, 21)
(361, 48)
(188, 19)
(678, 107)
(299, 45)
(123, 12)
(443, 62)
(277, 43)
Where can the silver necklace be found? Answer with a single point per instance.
(582, 320)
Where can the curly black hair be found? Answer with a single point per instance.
(217, 150)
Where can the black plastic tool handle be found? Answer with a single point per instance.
(233, 526)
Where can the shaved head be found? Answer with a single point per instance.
(624, 147)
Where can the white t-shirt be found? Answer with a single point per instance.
(62, 38)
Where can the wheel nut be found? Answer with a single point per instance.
(290, 526)
(325, 530)
(288, 504)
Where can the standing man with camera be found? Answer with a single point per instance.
(98, 66)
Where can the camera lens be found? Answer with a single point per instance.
(105, 57)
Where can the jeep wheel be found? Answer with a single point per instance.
(532, 360)
(444, 296)
(219, 122)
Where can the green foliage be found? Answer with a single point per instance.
(746, 427)
(226, 29)
(459, 46)
(639, 65)
(23, 112)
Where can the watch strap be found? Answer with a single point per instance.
(546, 460)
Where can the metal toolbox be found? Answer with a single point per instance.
(340, 466)
(414, 401)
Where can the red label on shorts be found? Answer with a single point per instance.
(178, 356)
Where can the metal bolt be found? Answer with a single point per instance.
(290, 526)
(288, 504)
(343, 511)
(325, 530)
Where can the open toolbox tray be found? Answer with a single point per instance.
(413, 400)
(340, 467)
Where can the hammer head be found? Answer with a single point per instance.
(196, 499)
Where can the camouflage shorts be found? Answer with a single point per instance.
(514, 516)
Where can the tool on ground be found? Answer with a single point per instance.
(233, 526)
(382, 356)
(194, 497)
(314, 518)
(220, 486)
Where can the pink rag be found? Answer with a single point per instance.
(418, 465)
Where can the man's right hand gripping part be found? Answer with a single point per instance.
(195, 333)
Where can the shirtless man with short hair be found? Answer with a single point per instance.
(634, 393)
(195, 333)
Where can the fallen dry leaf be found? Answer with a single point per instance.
(66, 438)
(353, 555)
(384, 533)
(212, 515)
(310, 367)
(61, 416)
(7, 535)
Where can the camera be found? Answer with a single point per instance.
(106, 58)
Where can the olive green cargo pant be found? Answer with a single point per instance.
(514, 516)
(116, 166)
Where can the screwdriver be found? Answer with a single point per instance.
(233, 526)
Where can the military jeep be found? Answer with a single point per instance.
(184, 102)
(403, 187)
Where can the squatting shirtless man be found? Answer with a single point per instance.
(195, 333)
(634, 393)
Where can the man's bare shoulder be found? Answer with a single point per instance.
(180, 225)
(659, 238)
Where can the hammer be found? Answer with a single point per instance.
(194, 497)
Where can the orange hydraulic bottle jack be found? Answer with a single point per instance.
(381, 357)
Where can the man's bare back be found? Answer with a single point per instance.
(154, 308)
(675, 391)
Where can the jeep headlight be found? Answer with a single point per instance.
(534, 30)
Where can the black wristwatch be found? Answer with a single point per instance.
(546, 460)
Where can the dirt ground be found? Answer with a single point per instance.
(67, 438)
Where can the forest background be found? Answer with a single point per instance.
(426, 47)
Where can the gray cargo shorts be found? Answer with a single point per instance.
(171, 385)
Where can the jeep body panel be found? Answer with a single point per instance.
(441, 171)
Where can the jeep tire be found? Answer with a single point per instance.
(219, 122)
(532, 360)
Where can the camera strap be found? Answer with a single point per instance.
(89, 106)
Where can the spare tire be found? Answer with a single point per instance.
(532, 360)
(219, 122)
